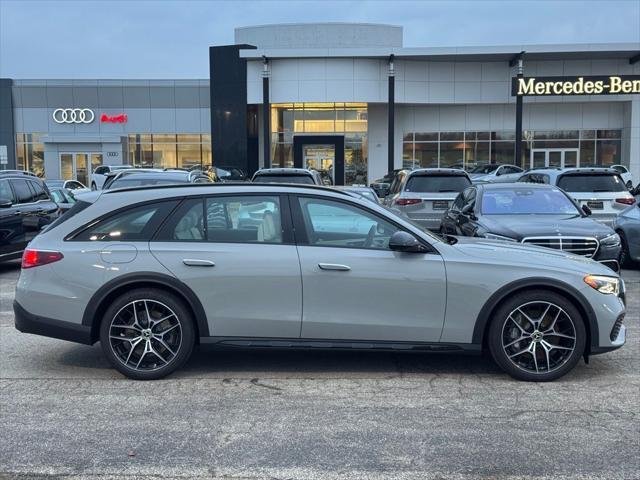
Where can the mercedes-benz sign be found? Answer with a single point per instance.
(73, 115)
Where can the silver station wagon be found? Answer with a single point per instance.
(150, 272)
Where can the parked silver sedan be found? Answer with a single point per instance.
(424, 194)
(166, 267)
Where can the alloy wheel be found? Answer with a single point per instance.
(538, 337)
(145, 335)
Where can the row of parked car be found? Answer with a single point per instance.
(587, 211)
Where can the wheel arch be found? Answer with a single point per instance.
(101, 300)
(483, 320)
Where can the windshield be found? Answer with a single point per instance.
(592, 183)
(526, 201)
(484, 169)
(437, 183)
(304, 179)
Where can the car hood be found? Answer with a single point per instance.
(523, 255)
(521, 226)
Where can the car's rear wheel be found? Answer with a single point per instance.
(537, 336)
(147, 334)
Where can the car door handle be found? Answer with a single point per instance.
(196, 262)
(334, 266)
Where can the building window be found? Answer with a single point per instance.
(469, 149)
(30, 153)
(161, 150)
(350, 119)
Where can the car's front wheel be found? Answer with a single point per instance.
(625, 254)
(147, 334)
(537, 336)
(94, 186)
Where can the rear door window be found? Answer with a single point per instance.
(225, 219)
(23, 193)
(39, 192)
(591, 183)
(437, 183)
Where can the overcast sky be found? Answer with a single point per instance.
(169, 38)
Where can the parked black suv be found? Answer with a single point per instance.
(25, 207)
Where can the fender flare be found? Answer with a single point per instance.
(537, 282)
(90, 313)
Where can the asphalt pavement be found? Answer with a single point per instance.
(313, 415)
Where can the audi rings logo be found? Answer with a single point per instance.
(73, 115)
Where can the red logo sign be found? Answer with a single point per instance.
(122, 118)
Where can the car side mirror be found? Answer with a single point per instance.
(468, 210)
(5, 203)
(405, 242)
(382, 189)
(587, 211)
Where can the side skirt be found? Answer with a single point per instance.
(328, 344)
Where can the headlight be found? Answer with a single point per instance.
(493, 236)
(604, 284)
(612, 240)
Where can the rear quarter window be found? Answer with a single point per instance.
(131, 224)
(591, 183)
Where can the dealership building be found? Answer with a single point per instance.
(348, 99)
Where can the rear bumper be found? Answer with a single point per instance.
(29, 323)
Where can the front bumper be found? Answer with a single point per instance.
(29, 323)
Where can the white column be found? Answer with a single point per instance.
(634, 139)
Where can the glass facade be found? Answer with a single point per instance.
(348, 119)
(468, 149)
(162, 150)
(30, 153)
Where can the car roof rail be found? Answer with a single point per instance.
(227, 185)
(18, 172)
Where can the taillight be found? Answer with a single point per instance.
(36, 258)
(626, 201)
(408, 201)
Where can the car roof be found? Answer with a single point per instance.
(219, 187)
(284, 171)
(438, 171)
(511, 186)
(157, 175)
(354, 188)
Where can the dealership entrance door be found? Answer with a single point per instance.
(79, 166)
(324, 153)
(555, 157)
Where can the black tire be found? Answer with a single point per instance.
(565, 354)
(625, 255)
(94, 186)
(174, 350)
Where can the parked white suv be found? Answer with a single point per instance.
(601, 190)
(99, 175)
